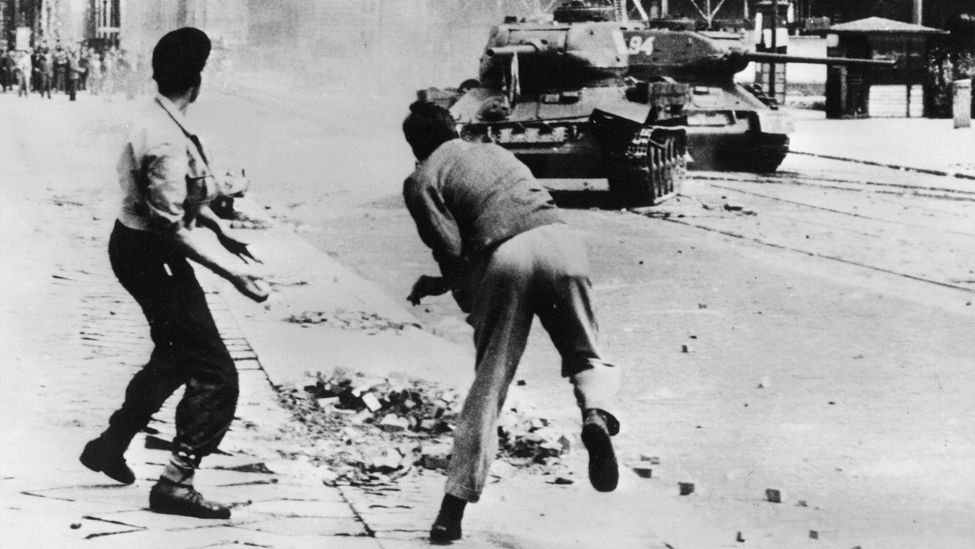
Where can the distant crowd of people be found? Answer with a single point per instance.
(106, 72)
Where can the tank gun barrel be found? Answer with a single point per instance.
(786, 58)
(512, 50)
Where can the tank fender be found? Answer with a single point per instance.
(778, 122)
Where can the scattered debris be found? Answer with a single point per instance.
(350, 320)
(686, 488)
(643, 470)
(373, 431)
(740, 538)
(813, 534)
(685, 348)
(773, 496)
(75, 525)
(248, 468)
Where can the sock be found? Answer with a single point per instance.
(452, 508)
(179, 470)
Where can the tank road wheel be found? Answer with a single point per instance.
(650, 169)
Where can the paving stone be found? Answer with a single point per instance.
(31, 529)
(195, 537)
(330, 526)
(144, 518)
(100, 496)
(302, 508)
(283, 490)
(217, 477)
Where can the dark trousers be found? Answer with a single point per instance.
(188, 348)
(60, 77)
(46, 85)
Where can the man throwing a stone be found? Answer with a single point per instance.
(507, 256)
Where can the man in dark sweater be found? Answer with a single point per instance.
(506, 254)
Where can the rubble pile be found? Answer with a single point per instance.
(369, 431)
(349, 320)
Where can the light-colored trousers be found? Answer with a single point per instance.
(544, 272)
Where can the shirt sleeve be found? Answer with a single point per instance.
(165, 166)
(437, 227)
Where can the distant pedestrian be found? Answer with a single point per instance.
(168, 184)
(22, 70)
(36, 61)
(84, 60)
(7, 67)
(74, 74)
(95, 73)
(109, 69)
(505, 252)
(60, 69)
(47, 74)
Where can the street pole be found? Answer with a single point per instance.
(774, 46)
(918, 12)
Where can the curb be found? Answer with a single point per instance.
(928, 171)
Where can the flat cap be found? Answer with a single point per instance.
(182, 52)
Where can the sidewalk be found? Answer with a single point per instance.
(919, 144)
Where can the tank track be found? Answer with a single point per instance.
(768, 153)
(650, 168)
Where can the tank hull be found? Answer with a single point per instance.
(584, 133)
(728, 129)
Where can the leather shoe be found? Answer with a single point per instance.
(100, 456)
(175, 499)
(443, 532)
(597, 428)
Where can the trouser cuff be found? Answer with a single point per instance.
(180, 469)
(461, 491)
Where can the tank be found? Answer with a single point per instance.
(586, 93)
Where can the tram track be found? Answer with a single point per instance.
(770, 244)
(850, 185)
(842, 212)
(883, 227)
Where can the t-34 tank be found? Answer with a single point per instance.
(587, 93)
(556, 93)
(730, 127)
